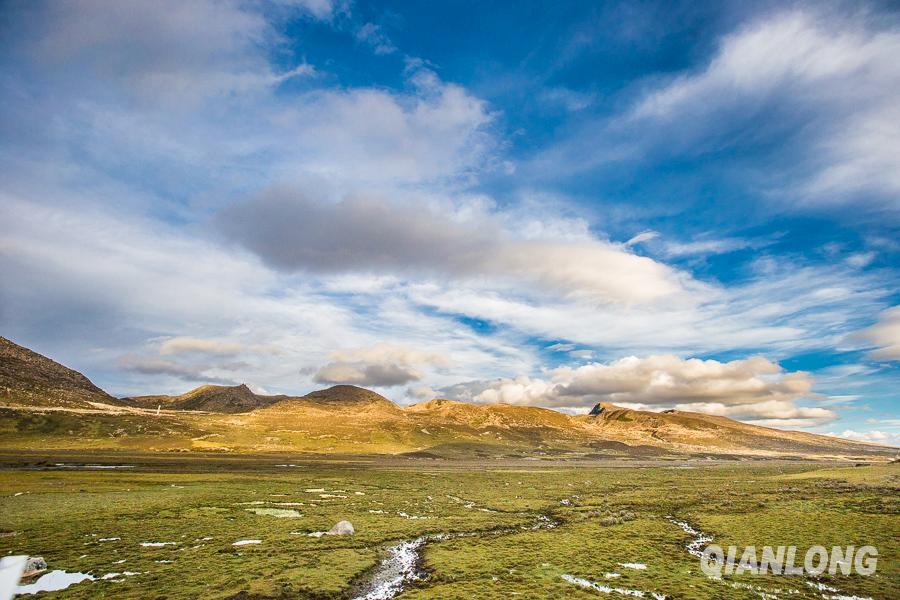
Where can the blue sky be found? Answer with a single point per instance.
(688, 205)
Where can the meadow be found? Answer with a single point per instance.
(167, 528)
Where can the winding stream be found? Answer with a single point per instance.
(401, 566)
(700, 539)
(695, 546)
(403, 563)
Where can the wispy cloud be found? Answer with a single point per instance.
(838, 71)
(372, 34)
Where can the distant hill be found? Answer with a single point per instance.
(30, 379)
(699, 433)
(50, 405)
(348, 396)
(208, 398)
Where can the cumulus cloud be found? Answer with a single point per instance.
(292, 231)
(432, 131)
(769, 413)
(884, 336)
(422, 392)
(874, 436)
(379, 365)
(753, 389)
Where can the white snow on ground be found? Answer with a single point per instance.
(157, 544)
(280, 513)
(53, 582)
(605, 589)
(68, 466)
(122, 574)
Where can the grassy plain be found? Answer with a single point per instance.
(607, 516)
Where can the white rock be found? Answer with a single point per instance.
(342, 528)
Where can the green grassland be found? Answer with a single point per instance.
(606, 516)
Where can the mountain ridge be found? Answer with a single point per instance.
(351, 419)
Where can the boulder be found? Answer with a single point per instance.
(342, 528)
(33, 566)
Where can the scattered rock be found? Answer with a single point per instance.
(342, 528)
(34, 566)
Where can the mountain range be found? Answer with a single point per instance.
(45, 405)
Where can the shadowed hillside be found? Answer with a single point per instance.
(30, 379)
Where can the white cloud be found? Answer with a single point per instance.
(116, 156)
(780, 307)
(565, 98)
(643, 236)
(372, 34)
(708, 246)
(874, 436)
(839, 72)
(320, 9)
(180, 370)
(379, 365)
(155, 51)
(884, 336)
(769, 413)
(182, 344)
(82, 274)
(437, 130)
(860, 259)
(291, 231)
(753, 389)
(561, 347)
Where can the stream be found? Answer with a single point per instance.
(403, 563)
(700, 539)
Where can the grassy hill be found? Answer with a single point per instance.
(50, 406)
(208, 398)
(30, 379)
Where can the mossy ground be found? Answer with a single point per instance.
(64, 515)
